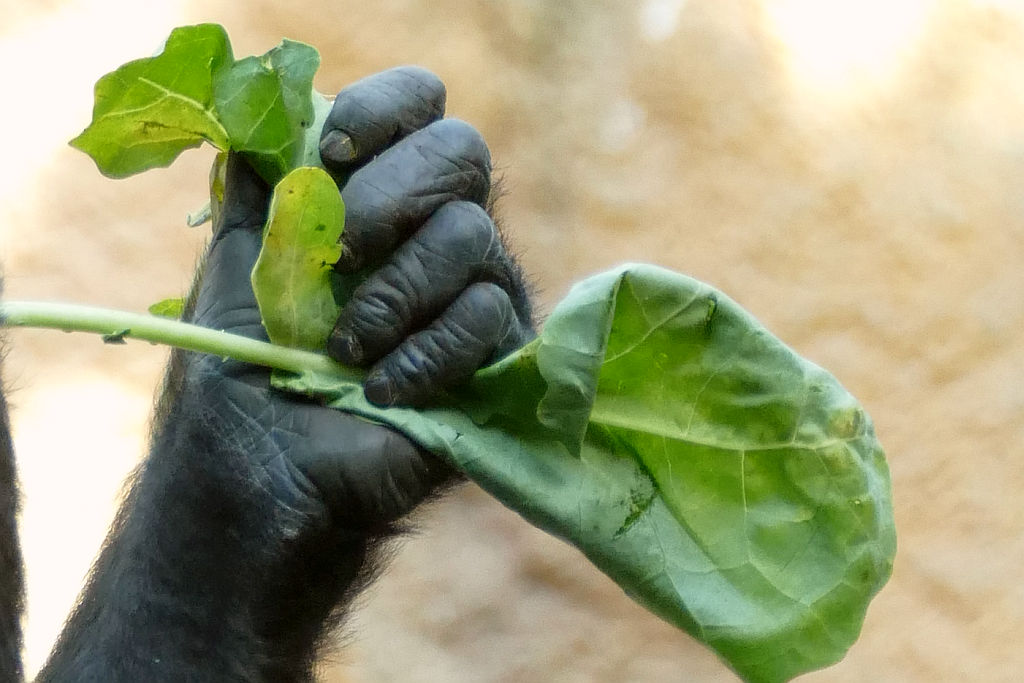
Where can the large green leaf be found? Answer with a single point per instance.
(292, 276)
(727, 484)
(150, 110)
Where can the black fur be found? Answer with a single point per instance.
(12, 580)
(208, 573)
(191, 584)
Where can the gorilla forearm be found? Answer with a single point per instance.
(255, 518)
(12, 587)
(193, 582)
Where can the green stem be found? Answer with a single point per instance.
(121, 324)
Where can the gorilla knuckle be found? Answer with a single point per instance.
(463, 144)
(424, 84)
(486, 297)
(383, 307)
(416, 367)
(488, 310)
(462, 230)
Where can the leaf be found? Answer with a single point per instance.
(116, 337)
(730, 486)
(292, 276)
(199, 217)
(295, 64)
(264, 104)
(150, 110)
(168, 308)
(321, 108)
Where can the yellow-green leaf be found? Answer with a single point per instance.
(292, 277)
(168, 308)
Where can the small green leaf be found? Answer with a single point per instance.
(292, 276)
(203, 215)
(168, 308)
(150, 110)
(218, 183)
(251, 109)
(295, 64)
(264, 104)
(116, 337)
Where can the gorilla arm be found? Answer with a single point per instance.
(256, 515)
(202, 562)
(12, 585)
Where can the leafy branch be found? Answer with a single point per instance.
(729, 485)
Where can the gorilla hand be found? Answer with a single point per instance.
(444, 298)
(255, 514)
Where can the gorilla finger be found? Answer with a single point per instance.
(378, 478)
(457, 246)
(225, 299)
(479, 328)
(374, 112)
(393, 195)
(246, 198)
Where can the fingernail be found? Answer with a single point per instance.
(337, 147)
(379, 390)
(346, 348)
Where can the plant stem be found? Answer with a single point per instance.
(121, 324)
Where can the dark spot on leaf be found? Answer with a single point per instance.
(639, 502)
(320, 228)
(711, 308)
(712, 304)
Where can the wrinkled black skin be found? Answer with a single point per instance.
(257, 516)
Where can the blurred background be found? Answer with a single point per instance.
(849, 170)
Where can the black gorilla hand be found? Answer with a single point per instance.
(444, 300)
(256, 515)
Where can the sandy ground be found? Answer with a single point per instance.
(849, 171)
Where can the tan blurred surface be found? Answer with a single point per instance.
(849, 171)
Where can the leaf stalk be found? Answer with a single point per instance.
(126, 325)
